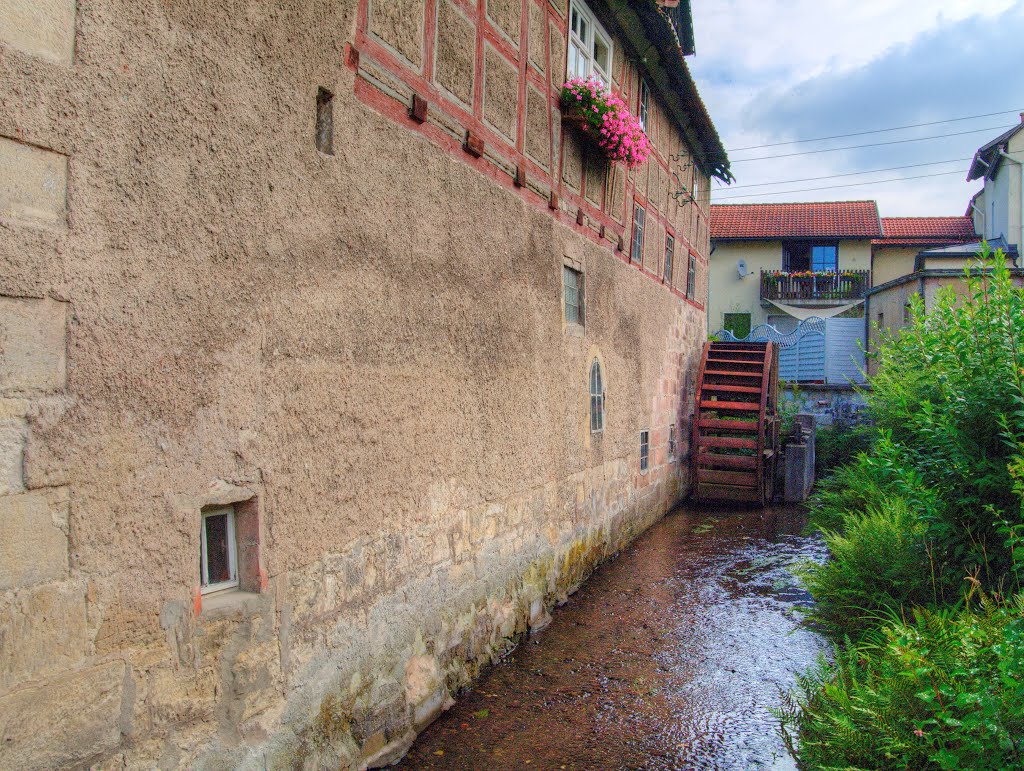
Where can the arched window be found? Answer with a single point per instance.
(596, 398)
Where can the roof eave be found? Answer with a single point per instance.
(649, 31)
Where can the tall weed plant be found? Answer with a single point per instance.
(922, 594)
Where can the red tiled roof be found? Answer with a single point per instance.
(830, 219)
(918, 231)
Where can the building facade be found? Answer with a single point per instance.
(330, 361)
(998, 208)
(780, 263)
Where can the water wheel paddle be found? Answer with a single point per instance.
(735, 444)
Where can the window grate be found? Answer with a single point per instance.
(644, 450)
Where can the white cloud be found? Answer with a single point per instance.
(803, 68)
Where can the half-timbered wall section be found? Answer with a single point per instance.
(485, 77)
(311, 406)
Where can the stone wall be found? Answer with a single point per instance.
(364, 352)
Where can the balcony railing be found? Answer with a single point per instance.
(797, 287)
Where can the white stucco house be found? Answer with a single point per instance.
(998, 208)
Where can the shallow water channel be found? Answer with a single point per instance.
(669, 657)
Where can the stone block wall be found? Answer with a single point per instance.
(363, 353)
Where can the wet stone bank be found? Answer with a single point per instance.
(668, 658)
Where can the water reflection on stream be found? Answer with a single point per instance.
(668, 658)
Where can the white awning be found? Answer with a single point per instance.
(804, 313)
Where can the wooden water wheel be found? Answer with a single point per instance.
(735, 444)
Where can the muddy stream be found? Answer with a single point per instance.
(669, 657)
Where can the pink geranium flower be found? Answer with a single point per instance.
(607, 119)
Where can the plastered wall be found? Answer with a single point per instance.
(365, 351)
(891, 262)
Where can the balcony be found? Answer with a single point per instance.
(814, 288)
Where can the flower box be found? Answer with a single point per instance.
(578, 126)
(601, 120)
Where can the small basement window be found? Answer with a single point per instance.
(636, 248)
(644, 450)
(572, 286)
(218, 557)
(596, 398)
(325, 121)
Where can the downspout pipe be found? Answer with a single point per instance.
(1020, 167)
(984, 219)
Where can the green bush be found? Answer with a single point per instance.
(838, 444)
(880, 563)
(923, 678)
(943, 690)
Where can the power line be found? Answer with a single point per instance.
(850, 174)
(874, 144)
(874, 131)
(834, 187)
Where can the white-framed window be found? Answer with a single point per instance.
(645, 448)
(636, 248)
(572, 286)
(644, 105)
(218, 557)
(590, 47)
(596, 398)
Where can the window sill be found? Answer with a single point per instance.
(574, 329)
(226, 602)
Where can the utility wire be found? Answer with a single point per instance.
(850, 174)
(874, 131)
(834, 187)
(875, 144)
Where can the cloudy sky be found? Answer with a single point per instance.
(786, 70)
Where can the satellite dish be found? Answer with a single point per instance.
(741, 268)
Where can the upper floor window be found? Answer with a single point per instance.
(670, 248)
(636, 246)
(596, 398)
(590, 47)
(644, 107)
(806, 255)
(691, 278)
(572, 286)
